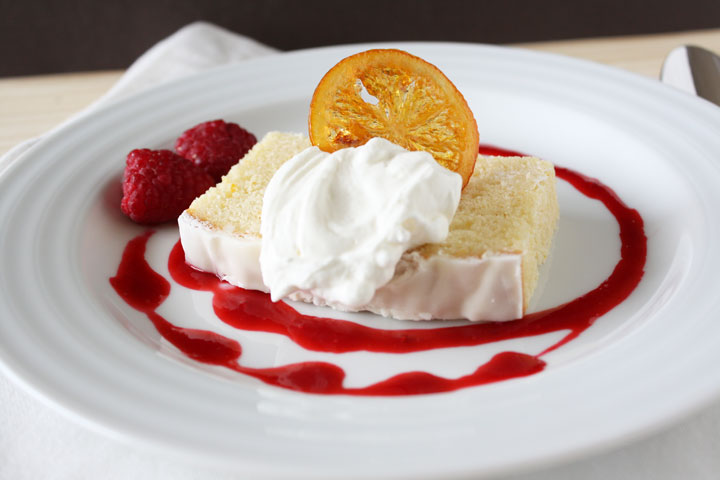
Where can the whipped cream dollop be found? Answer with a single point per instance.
(334, 225)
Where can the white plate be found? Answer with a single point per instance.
(67, 336)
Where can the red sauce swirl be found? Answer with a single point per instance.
(144, 289)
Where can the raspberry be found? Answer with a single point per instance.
(215, 146)
(159, 184)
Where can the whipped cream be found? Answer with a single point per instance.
(334, 226)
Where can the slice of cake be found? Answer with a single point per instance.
(486, 269)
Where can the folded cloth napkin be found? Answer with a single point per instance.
(195, 48)
(38, 443)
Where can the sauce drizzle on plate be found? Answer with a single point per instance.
(145, 290)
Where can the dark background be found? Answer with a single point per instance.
(78, 35)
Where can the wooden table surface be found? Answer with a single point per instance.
(30, 106)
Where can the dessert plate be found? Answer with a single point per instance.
(67, 336)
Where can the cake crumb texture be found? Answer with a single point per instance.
(235, 204)
(509, 206)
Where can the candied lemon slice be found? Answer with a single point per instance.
(397, 96)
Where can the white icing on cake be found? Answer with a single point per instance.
(440, 287)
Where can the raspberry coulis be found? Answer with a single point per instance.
(145, 290)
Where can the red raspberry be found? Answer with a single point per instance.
(159, 184)
(215, 146)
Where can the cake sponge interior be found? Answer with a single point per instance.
(235, 204)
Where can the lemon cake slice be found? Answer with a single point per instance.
(486, 269)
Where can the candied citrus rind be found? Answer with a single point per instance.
(397, 96)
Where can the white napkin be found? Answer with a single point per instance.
(195, 48)
(38, 443)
